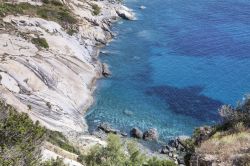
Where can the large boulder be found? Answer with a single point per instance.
(106, 127)
(136, 133)
(125, 13)
(151, 135)
(105, 70)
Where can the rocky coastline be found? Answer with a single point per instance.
(53, 83)
(49, 65)
(175, 149)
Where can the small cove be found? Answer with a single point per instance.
(174, 66)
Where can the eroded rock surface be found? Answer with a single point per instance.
(54, 85)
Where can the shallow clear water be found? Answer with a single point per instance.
(175, 66)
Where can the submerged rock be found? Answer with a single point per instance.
(136, 133)
(128, 113)
(151, 135)
(106, 127)
(105, 70)
(142, 7)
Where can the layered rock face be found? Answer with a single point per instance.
(54, 85)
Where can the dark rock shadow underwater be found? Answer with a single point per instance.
(188, 101)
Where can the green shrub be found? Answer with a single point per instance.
(52, 10)
(65, 16)
(45, 1)
(114, 155)
(6, 8)
(20, 138)
(53, 162)
(21, 8)
(44, 13)
(56, 3)
(111, 155)
(40, 42)
(96, 9)
(58, 139)
(61, 16)
(240, 114)
(189, 144)
(135, 156)
(71, 31)
(156, 162)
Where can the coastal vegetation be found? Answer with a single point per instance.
(224, 140)
(51, 10)
(96, 9)
(21, 140)
(40, 42)
(58, 139)
(115, 154)
(53, 162)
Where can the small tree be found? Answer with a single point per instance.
(20, 138)
(135, 157)
(108, 156)
(117, 153)
(241, 113)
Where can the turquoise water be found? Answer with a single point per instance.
(175, 66)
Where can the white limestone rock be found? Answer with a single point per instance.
(125, 13)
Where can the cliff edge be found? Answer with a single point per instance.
(48, 59)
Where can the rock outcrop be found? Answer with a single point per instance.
(151, 135)
(105, 70)
(54, 84)
(107, 128)
(125, 13)
(136, 133)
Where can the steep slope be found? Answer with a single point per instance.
(49, 64)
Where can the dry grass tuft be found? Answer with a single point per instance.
(225, 145)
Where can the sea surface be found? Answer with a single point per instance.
(174, 66)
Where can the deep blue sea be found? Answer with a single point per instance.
(175, 65)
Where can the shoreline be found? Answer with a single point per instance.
(55, 85)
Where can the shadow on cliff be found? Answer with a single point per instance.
(187, 101)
